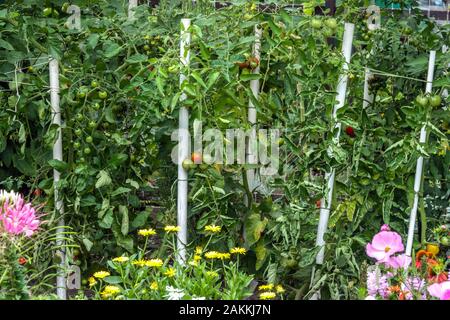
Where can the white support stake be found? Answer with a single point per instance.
(183, 149)
(419, 165)
(251, 154)
(57, 155)
(325, 204)
(368, 98)
(131, 5)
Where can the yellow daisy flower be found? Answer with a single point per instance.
(139, 263)
(154, 285)
(213, 228)
(267, 295)
(193, 263)
(170, 272)
(109, 291)
(101, 274)
(212, 274)
(147, 232)
(92, 282)
(154, 263)
(223, 256)
(198, 250)
(279, 289)
(120, 259)
(238, 250)
(197, 257)
(211, 255)
(169, 229)
(266, 287)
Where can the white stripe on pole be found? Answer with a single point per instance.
(183, 148)
(325, 206)
(419, 165)
(131, 5)
(57, 154)
(251, 154)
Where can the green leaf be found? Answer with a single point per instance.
(254, 227)
(137, 58)
(113, 280)
(140, 220)
(261, 255)
(111, 49)
(199, 79)
(87, 244)
(103, 179)
(58, 165)
(212, 79)
(250, 76)
(6, 45)
(119, 191)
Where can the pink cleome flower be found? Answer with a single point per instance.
(384, 244)
(19, 218)
(400, 261)
(440, 290)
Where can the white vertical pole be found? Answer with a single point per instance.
(251, 156)
(325, 204)
(131, 5)
(419, 165)
(183, 148)
(368, 97)
(57, 154)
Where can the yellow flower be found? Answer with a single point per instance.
(92, 282)
(110, 291)
(212, 274)
(217, 255)
(170, 272)
(267, 295)
(101, 274)
(266, 287)
(279, 289)
(193, 263)
(169, 229)
(238, 250)
(120, 259)
(154, 285)
(211, 255)
(147, 232)
(213, 228)
(154, 263)
(197, 257)
(139, 263)
(198, 250)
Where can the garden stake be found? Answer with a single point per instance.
(131, 5)
(368, 98)
(419, 165)
(325, 204)
(57, 155)
(251, 156)
(183, 148)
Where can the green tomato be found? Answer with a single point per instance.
(76, 252)
(435, 101)
(96, 106)
(316, 23)
(445, 241)
(87, 150)
(65, 7)
(79, 117)
(76, 145)
(188, 164)
(331, 23)
(422, 100)
(94, 84)
(81, 94)
(92, 124)
(78, 132)
(89, 139)
(102, 95)
(147, 47)
(47, 12)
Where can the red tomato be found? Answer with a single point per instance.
(350, 131)
(196, 157)
(22, 261)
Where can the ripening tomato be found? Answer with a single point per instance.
(196, 157)
(37, 192)
(350, 131)
(188, 164)
(253, 62)
(318, 204)
(22, 261)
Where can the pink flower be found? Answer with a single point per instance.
(19, 218)
(400, 261)
(384, 244)
(385, 227)
(440, 290)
